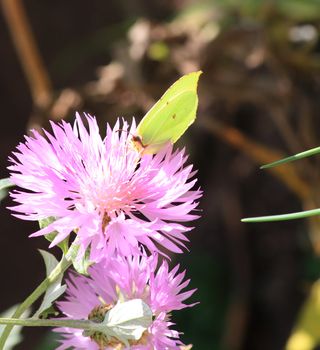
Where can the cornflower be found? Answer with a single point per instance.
(122, 279)
(111, 195)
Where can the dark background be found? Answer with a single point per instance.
(259, 100)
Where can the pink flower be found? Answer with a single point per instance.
(132, 278)
(114, 198)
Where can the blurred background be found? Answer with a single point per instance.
(259, 101)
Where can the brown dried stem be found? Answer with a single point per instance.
(29, 55)
(261, 155)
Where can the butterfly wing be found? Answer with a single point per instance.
(170, 117)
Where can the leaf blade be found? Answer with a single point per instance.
(283, 217)
(15, 336)
(55, 290)
(5, 184)
(301, 155)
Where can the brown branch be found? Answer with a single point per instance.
(261, 155)
(28, 52)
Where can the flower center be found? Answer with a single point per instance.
(97, 315)
(105, 221)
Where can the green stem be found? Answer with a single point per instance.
(54, 275)
(35, 322)
(283, 217)
(308, 153)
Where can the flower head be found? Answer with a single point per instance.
(112, 196)
(125, 279)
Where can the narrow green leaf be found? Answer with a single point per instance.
(15, 336)
(284, 217)
(81, 265)
(64, 245)
(63, 265)
(3, 194)
(50, 261)
(46, 222)
(5, 184)
(50, 312)
(55, 290)
(305, 154)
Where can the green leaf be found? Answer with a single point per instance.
(46, 222)
(305, 154)
(15, 336)
(81, 265)
(5, 184)
(3, 194)
(64, 245)
(50, 312)
(55, 290)
(284, 217)
(171, 116)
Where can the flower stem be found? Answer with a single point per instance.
(56, 272)
(35, 322)
(283, 217)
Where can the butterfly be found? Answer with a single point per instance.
(170, 117)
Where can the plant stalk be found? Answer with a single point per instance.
(54, 275)
(36, 322)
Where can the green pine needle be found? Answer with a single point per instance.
(297, 156)
(283, 217)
